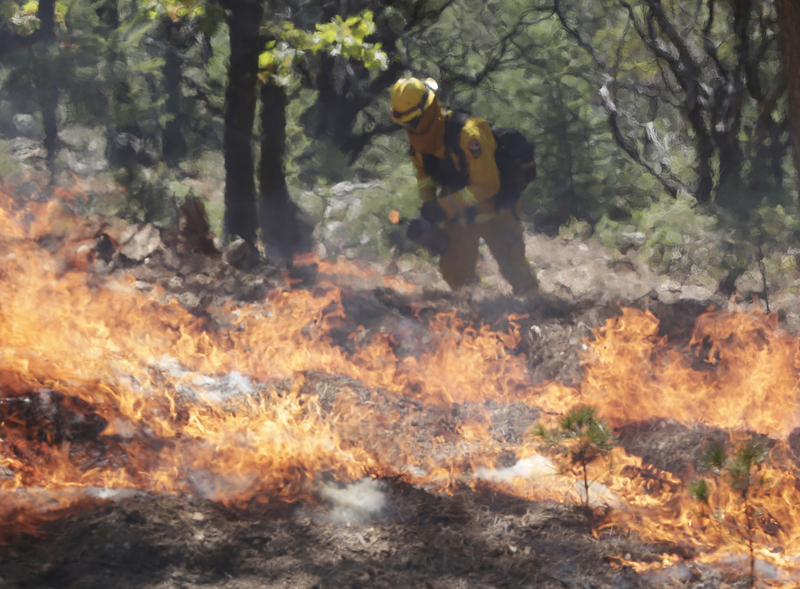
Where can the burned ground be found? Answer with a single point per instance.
(475, 537)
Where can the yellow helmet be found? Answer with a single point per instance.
(410, 98)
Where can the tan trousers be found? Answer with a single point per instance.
(503, 235)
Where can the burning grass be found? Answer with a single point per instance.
(110, 388)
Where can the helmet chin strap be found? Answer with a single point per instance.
(411, 124)
(420, 107)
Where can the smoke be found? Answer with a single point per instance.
(221, 487)
(540, 471)
(535, 468)
(356, 502)
(217, 388)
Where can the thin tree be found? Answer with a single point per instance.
(581, 439)
(282, 224)
(789, 19)
(48, 88)
(742, 472)
(244, 21)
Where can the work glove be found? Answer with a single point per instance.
(432, 212)
(507, 198)
(417, 228)
(428, 235)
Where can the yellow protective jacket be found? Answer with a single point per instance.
(477, 146)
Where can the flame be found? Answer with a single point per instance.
(108, 389)
(746, 378)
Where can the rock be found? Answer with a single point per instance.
(633, 240)
(343, 189)
(189, 301)
(73, 161)
(199, 281)
(27, 127)
(139, 242)
(237, 253)
(175, 283)
(171, 259)
(83, 163)
(24, 149)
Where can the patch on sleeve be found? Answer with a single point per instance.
(475, 148)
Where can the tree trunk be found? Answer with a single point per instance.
(48, 88)
(240, 108)
(125, 147)
(281, 220)
(789, 19)
(173, 145)
(11, 41)
(49, 106)
(272, 180)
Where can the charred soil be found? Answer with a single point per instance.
(474, 536)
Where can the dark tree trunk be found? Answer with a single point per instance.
(344, 93)
(108, 14)
(173, 145)
(768, 162)
(10, 41)
(789, 17)
(49, 107)
(124, 145)
(282, 223)
(272, 180)
(240, 108)
(705, 153)
(48, 87)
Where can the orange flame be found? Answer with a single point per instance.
(168, 403)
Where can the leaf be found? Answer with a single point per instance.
(715, 457)
(700, 491)
(266, 60)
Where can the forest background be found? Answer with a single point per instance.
(659, 124)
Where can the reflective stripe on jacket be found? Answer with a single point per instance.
(471, 190)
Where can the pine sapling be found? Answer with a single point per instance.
(743, 475)
(581, 439)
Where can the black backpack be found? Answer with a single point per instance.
(516, 161)
(515, 157)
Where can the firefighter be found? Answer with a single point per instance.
(456, 189)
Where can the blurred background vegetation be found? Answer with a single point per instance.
(660, 123)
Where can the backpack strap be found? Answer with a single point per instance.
(444, 171)
(456, 119)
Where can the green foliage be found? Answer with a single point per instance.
(148, 197)
(173, 9)
(742, 467)
(575, 229)
(21, 20)
(714, 458)
(742, 473)
(581, 171)
(355, 221)
(546, 85)
(580, 440)
(8, 165)
(681, 238)
(345, 37)
(206, 16)
(700, 490)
